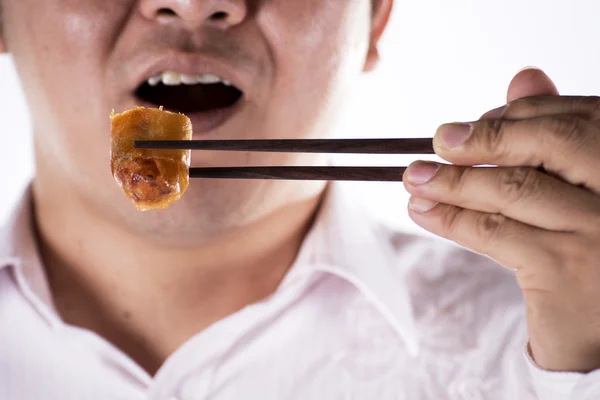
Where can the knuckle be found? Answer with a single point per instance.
(592, 223)
(488, 228)
(591, 105)
(518, 183)
(491, 136)
(459, 179)
(595, 105)
(565, 129)
(451, 222)
(454, 223)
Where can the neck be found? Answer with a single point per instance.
(148, 300)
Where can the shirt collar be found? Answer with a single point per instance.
(344, 242)
(347, 242)
(19, 252)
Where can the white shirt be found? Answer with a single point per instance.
(364, 313)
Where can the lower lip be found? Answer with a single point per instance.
(204, 123)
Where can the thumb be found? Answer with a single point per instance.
(530, 82)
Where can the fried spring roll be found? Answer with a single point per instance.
(151, 178)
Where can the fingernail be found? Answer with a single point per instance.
(453, 135)
(496, 113)
(528, 67)
(421, 172)
(421, 205)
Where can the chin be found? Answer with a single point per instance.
(209, 209)
(213, 209)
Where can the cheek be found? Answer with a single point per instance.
(60, 35)
(318, 48)
(60, 47)
(316, 37)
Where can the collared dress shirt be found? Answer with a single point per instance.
(365, 312)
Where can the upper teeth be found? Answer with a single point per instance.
(171, 78)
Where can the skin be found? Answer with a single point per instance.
(149, 281)
(538, 213)
(542, 225)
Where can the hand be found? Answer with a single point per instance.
(538, 212)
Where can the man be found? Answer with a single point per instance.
(283, 290)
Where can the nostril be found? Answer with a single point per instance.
(166, 12)
(218, 16)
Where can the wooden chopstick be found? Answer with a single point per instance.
(349, 146)
(381, 174)
(355, 146)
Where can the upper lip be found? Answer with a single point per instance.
(193, 64)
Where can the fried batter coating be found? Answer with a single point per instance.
(152, 178)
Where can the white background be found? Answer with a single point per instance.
(443, 60)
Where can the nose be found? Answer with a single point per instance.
(194, 13)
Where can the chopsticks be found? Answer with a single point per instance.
(389, 174)
(349, 146)
(332, 146)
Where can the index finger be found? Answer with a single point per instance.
(565, 145)
(587, 107)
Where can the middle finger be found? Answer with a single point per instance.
(521, 193)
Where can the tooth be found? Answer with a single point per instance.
(189, 79)
(171, 78)
(153, 81)
(208, 79)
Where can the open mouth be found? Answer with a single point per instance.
(189, 93)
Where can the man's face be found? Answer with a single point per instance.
(292, 60)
